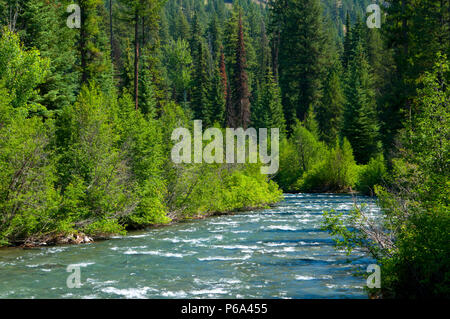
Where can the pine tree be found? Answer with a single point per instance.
(215, 111)
(92, 43)
(264, 53)
(214, 38)
(329, 111)
(347, 42)
(223, 74)
(301, 50)
(200, 83)
(360, 125)
(182, 28)
(267, 111)
(142, 15)
(240, 99)
(196, 37)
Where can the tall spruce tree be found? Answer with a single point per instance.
(360, 123)
(92, 43)
(215, 111)
(329, 111)
(200, 83)
(347, 42)
(267, 112)
(298, 25)
(240, 99)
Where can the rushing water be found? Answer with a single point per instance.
(273, 253)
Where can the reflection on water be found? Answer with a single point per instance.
(272, 253)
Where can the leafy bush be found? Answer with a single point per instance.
(90, 163)
(337, 172)
(33, 69)
(374, 173)
(298, 155)
(28, 200)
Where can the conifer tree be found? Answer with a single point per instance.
(42, 25)
(214, 37)
(200, 83)
(330, 108)
(223, 74)
(240, 92)
(360, 124)
(415, 31)
(267, 111)
(142, 15)
(92, 43)
(215, 111)
(182, 28)
(264, 53)
(347, 42)
(302, 46)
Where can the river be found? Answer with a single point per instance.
(273, 253)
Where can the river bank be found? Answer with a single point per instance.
(51, 240)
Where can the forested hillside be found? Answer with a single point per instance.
(87, 113)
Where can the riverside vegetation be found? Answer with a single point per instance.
(86, 117)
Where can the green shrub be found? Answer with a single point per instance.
(336, 173)
(299, 154)
(94, 175)
(374, 173)
(142, 147)
(28, 200)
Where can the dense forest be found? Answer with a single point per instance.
(87, 112)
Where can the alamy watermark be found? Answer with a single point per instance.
(374, 279)
(74, 279)
(374, 20)
(232, 150)
(74, 19)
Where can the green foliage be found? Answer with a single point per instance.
(298, 155)
(91, 160)
(429, 129)
(337, 172)
(372, 174)
(360, 125)
(420, 269)
(215, 113)
(267, 109)
(414, 31)
(28, 200)
(200, 83)
(178, 62)
(21, 71)
(330, 110)
(43, 26)
(94, 58)
(209, 190)
(142, 145)
(302, 52)
(290, 170)
(410, 242)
